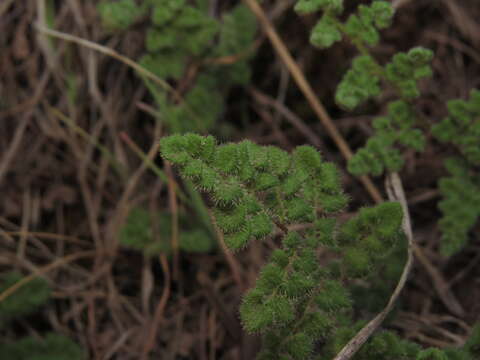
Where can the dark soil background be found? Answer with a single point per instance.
(62, 198)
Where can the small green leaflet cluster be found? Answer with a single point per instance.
(462, 127)
(461, 191)
(182, 35)
(381, 152)
(363, 81)
(361, 27)
(397, 128)
(253, 186)
(121, 14)
(137, 234)
(255, 189)
(360, 83)
(366, 78)
(406, 69)
(460, 204)
(25, 301)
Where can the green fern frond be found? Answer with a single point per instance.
(460, 205)
(51, 347)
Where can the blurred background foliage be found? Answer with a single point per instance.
(80, 171)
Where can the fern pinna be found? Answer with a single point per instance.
(461, 190)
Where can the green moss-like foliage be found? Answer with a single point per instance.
(369, 237)
(25, 300)
(325, 33)
(431, 354)
(382, 150)
(361, 27)
(51, 347)
(310, 6)
(137, 234)
(182, 37)
(235, 37)
(119, 15)
(255, 189)
(462, 127)
(460, 204)
(363, 80)
(406, 69)
(182, 28)
(472, 345)
(359, 84)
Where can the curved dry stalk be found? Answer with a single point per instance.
(110, 52)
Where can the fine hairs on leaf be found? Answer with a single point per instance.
(257, 188)
(296, 302)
